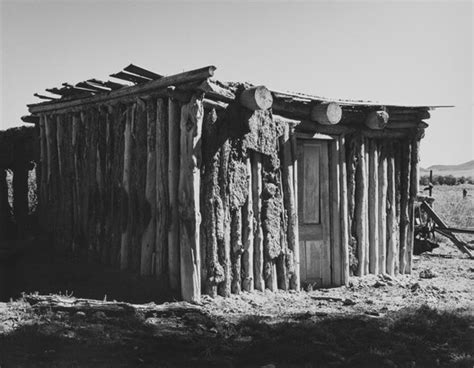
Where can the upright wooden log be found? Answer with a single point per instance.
(344, 217)
(325, 220)
(149, 235)
(5, 211)
(326, 113)
(373, 209)
(296, 250)
(404, 193)
(248, 234)
(173, 177)
(256, 98)
(161, 119)
(236, 248)
(334, 210)
(392, 228)
(223, 221)
(42, 165)
(382, 208)
(127, 163)
(366, 150)
(189, 198)
(377, 120)
(20, 195)
(361, 208)
(257, 211)
(287, 171)
(414, 182)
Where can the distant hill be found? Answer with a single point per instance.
(465, 169)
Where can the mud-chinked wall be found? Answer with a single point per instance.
(113, 188)
(248, 203)
(382, 184)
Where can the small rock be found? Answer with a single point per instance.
(80, 314)
(99, 315)
(427, 274)
(372, 313)
(348, 302)
(379, 283)
(416, 286)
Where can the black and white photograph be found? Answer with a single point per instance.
(255, 183)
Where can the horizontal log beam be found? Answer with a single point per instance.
(130, 77)
(326, 113)
(256, 98)
(142, 72)
(376, 120)
(193, 75)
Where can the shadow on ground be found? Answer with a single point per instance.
(408, 338)
(32, 266)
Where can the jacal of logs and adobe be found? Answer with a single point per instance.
(127, 177)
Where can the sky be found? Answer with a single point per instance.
(418, 52)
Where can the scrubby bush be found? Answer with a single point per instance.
(445, 180)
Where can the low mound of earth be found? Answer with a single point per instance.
(420, 320)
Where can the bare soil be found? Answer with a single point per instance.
(420, 320)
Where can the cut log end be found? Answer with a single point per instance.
(257, 98)
(326, 113)
(377, 120)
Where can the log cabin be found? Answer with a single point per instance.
(219, 188)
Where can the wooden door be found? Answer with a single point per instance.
(313, 212)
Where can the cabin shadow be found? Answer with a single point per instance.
(35, 266)
(420, 337)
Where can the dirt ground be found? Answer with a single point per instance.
(420, 320)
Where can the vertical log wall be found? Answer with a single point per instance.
(381, 189)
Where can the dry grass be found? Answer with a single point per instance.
(455, 210)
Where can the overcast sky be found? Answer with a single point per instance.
(393, 52)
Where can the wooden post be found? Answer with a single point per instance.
(236, 248)
(361, 207)
(189, 197)
(296, 250)
(287, 172)
(248, 234)
(382, 208)
(173, 176)
(336, 251)
(161, 119)
(148, 238)
(404, 189)
(127, 163)
(4, 205)
(20, 195)
(344, 217)
(392, 230)
(257, 211)
(414, 182)
(373, 209)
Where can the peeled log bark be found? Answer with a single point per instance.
(256, 98)
(404, 193)
(148, 236)
(382, 208)
(189, 199)
(361, 208)
(336, 251)
(392, 228)
(345, 233)
(373, 209)
(247, 236)
(414, 182)
(326, 113)
(173, 175)
(161, 250)
(377, 120)
(127, 163)
(257, 210)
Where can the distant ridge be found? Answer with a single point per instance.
(464, 169)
